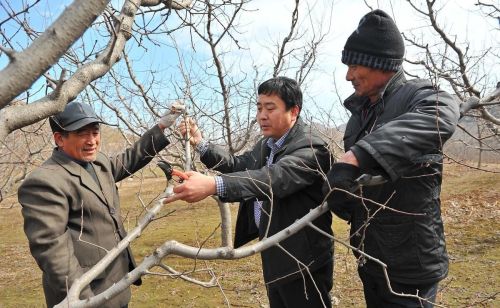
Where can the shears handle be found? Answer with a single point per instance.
(180, 174)
(171, 172)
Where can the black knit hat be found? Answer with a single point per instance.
(376, 43)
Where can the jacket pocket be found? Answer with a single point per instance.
(398, 245)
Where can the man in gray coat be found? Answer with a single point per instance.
(71, 206)
(397, 128)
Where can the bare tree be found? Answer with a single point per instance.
(209, 22)
(51, 44)
(27, 66)
(13, 117)
(466, 71)
(221, 94)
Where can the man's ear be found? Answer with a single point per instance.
(58, 138)
(295, 111)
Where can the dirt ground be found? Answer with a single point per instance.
(470, 211)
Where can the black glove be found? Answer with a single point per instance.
(341, 176)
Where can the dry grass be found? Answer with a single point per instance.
(470, 210)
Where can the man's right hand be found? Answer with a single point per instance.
(196, 188)
(194, 132)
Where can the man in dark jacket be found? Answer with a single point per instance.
(277, 182)
(397, 129)
(71, 206)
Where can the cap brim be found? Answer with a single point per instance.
(81, 123)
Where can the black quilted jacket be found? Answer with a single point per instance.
(402, 137)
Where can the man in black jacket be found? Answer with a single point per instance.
(277, 182)
(397, 129)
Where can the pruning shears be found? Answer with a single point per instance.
(171, 173)
(370, 180)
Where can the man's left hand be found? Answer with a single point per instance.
(342, 176)
(173, 112)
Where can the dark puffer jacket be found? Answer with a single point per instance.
(402, 138)
(295, 187)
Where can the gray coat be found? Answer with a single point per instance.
(70, 221)
(401, 137)
(295, 186)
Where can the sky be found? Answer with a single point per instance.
(457, 17)
(264, 23)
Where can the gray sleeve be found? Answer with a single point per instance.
(139, 155)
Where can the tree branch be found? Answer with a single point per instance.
(27, 66)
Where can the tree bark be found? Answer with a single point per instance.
(45, 51)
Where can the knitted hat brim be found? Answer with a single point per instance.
(351, 57)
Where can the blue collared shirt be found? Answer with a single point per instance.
(274, 146)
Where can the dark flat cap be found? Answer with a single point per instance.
(74, 116)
